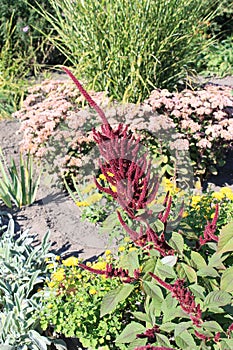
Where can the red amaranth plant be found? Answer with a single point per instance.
(111, 272)
(185, 298)
(210, 229)
(130, 172)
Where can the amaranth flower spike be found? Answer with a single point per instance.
(185, 298)
(130, 171)
(210, 229)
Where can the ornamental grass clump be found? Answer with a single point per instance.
(128, 49)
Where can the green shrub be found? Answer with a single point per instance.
(129, 49)
(13, 70)
(72, 299)
(218, 58)
(22, 272)
(26, 40)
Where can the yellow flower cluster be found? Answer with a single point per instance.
(58, 275)
(89, 188)
(225, 192)
(169, 186)
(99, 265)
(96, 197)
(195, 200)
(71, 261)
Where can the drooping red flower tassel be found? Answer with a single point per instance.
(185, 298)
(111, 272)
(210, 229)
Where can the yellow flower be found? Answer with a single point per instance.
(195, 200)
(71, 261)
(58, 275)
(51, 266)
(92, 291)
(88, 263)
(126, 239)
(218, 195)
(102, 177)
(212, 215)
(113, 188)
(58, 257)
(79, 276)
(121, 248)
(185, 214)
(82, 204)
(51, 284)
(132, 249)
(228, 192)
(198, 185)
(108, 252)
(100, 265)
(50, 306)
(89, 188)
(96, 197)
(110, 174)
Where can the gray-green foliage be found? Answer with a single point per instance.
(22, 270)
(128, 48)
(18, 186)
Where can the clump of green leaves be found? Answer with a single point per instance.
(72, 304)
(22, 272)
(17, 186)
(218, 58)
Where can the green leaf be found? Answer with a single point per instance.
(197, 260)
(153, 290)
(181, 327)
(164, 271)
(129, 333)
(198, 291)
(169, 308)
(208, 272)
(176, 242)
(136, 343)
(111, 299)
(157, 226)
(216, 261)
(212, 326)
(149, 266)
(226, 280)
(130, 262)
(162, 340)
(188, 273)
(187, 231)
(167, 327)
(216, 299)
(141, 316)
(185, 341)
(226, 344)
(225, 243)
